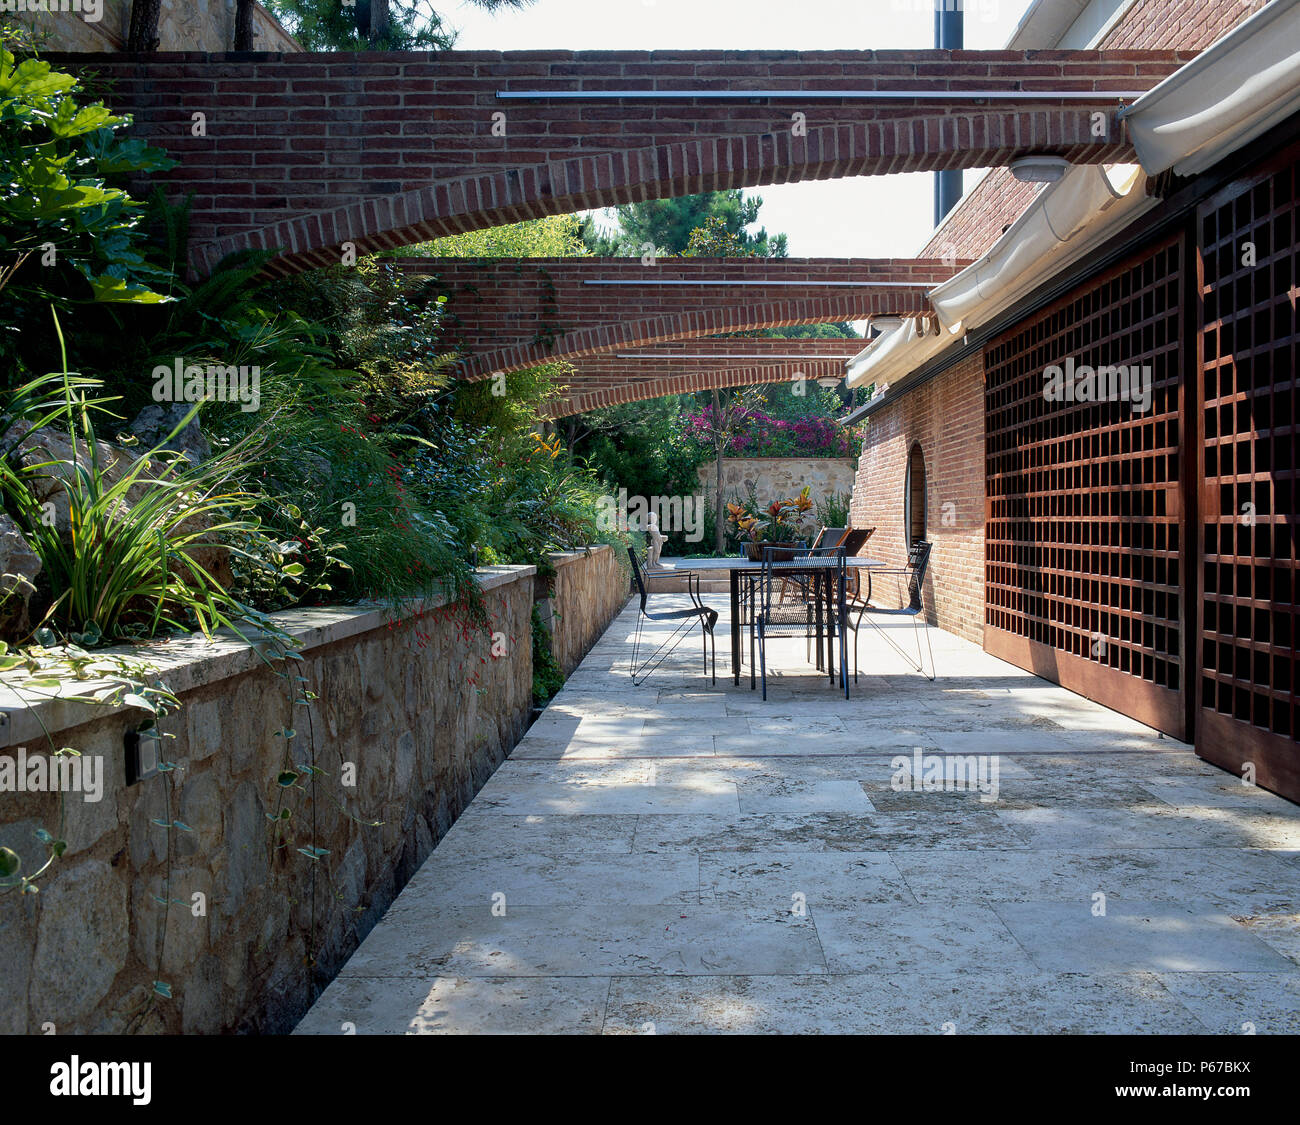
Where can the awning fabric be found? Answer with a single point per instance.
(1233, 91)
(1067, 220)
(897, 353)
(1068, 217)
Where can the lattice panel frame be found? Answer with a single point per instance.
(1249, 402)
(1084, 538)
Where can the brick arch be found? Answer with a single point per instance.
(508, 314)
(699, 365)
(301, 153)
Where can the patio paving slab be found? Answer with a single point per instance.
(1152, 936)
(685, 857)
(800, 880)
(822, 831)
(460, 1006)
(480, 833)
(885, 1003)
(1240, 1003)
(1216, 880)
(421, 937)
(539, 879)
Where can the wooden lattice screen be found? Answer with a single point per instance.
(1250, 283)
(1084, 551)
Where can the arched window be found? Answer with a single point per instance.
(914, 495)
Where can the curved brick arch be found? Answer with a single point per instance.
(302, 153)
(699, 365)
(508, 314)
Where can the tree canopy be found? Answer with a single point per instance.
(383, 25)
(670, 225)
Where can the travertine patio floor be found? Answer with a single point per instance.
(683, 857)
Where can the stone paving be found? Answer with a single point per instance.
(684, 857)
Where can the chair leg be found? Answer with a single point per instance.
(636, 646)
(855, 652)
(925, 627)
(762, 660)
(751, 650)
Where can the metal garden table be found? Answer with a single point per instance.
(743, 570)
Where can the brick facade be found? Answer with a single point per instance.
(946, 415)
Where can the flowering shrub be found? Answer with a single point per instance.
(761, 435)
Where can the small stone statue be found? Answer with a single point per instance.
(655, 540)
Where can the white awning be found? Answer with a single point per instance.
(1232, 92)
(897, 353)
(1067, 219)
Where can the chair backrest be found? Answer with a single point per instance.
(636, 576)
(825, 559)
(855, 538)
(829, 537)
(918, 561)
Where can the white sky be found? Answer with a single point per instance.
(867, 216)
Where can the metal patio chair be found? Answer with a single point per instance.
(698, 612)
(918, 561)
(804, 614)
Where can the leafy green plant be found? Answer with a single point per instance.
(548, 677)
(66, 234)
(134, 555)
(833, 509)
(781, 521)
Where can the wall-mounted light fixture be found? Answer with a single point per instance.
(1039, 169)
(143, 753)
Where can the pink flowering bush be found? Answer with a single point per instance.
(761, 435)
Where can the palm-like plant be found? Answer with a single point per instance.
(135, 555)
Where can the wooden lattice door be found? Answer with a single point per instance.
(1249, 283)
(1084, 524)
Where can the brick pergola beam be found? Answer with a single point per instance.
(700, 365)
(509, 314)
(306, 152)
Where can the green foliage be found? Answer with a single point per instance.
(548, 676)
(137, 551)
(669, 224)
(327, 25)
(642, 447)
(712, 239)
(66, 235)
(833, 510)
(555, 236)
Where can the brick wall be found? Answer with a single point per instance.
(946, 415)
(308, 151)
(1181, 25)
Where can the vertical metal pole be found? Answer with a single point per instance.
(949, 35)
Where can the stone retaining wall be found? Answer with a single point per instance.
(589, 589)
(419, 714)
(776, 478)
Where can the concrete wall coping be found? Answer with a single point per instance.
(564, 558)
(191, 662)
